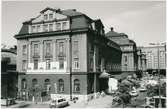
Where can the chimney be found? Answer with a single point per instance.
(111, 28)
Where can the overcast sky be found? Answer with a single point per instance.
(142, 21)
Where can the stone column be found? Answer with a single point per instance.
(29, 52)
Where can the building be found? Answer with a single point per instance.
(129, 50)
(63, 52)
(156, 58)
(8, 73)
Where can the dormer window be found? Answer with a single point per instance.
(46, 17)
(50, 27)
(45, 28)
(50, 16)
(64, 25)
(58, 26)
(33, 29)
(38, 28)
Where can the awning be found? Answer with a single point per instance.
(104, 75)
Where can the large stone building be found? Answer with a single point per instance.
(129, 50)
(156, 58)
(8, 73)
(63, 52)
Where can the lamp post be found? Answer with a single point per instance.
(159, 88)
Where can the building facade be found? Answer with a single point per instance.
(9, 75)
(156, 58)
(63, 52)
(128, 48)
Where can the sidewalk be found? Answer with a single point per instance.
(102, 102)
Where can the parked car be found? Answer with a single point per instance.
(59, 102)
(133, 93)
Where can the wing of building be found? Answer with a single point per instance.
(63, 52)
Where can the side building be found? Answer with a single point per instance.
(9, 74)
(129, 51)
(63, 52)
(156, 58)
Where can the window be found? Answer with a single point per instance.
(38, 28)
(64, 25)
(126, 68)
(61, 47)
(45, 28)
(47, 85)
(24, 49)
(23, 84)
(50, 27)
(76, 63)
(58, 26)
(125, 57)
(50, 16)
(61, 64)
(61, 85)
(48, 64)
(76, 85)
(36, 52)
(24, 65)
(34, 82)
(48, 48)
(33, 29)
(75, 48)
(35, 64)
(46, 17)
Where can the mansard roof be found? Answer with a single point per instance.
(119, 38)
(78, 19)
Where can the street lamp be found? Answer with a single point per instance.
(157, 44)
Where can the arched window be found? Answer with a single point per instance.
(23, 84)
(34, 82)
(76, 85)
(47, 85)
(61, 85)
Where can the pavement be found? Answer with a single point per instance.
(101, 102)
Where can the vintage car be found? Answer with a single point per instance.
(58, 102)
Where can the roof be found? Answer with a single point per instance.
(119, 38)
(79, 20)
(8, 55)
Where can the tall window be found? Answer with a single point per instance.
(36, 50)
(34, 82)
(46, 17)
(50, 16)
(47, 85)
(35, 64)
(76, 85)
(50, 27)
(23, 84)
(126, 67)
(61, 64)
(64, 25)
(48, 64)
(24, 65)
(24, 49)
(125, 58)
(58, 26)
(75, 48)
(61, 85)
(76, 63)
(61, 47)
(48, 48)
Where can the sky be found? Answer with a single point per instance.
(143, 21)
